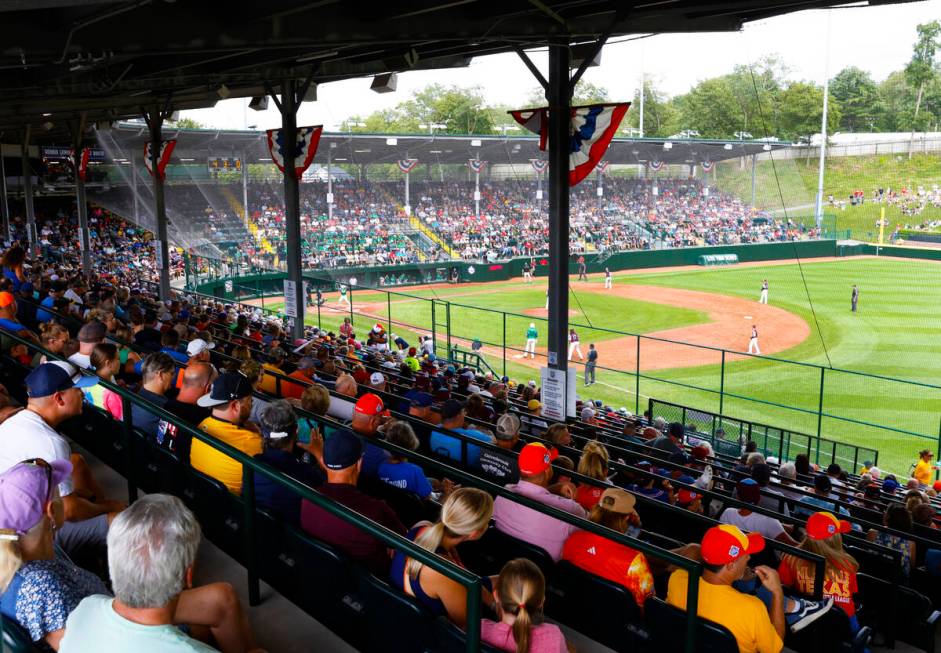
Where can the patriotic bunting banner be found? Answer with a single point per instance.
(163, 157)
(476, 165)
(591, 130)
(707, 165)
(303, 152)
(539, 165)
(83, 163)
(655, 165)
(407, 165)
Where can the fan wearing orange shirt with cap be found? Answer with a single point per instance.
(923, 467)
(757, 620)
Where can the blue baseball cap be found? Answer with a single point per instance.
(342, 449)
(422, 400)
(56, 376)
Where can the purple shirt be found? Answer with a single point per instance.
(544, 638)
(526, 524)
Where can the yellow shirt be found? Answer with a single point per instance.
(216, 464)
(744, 615)
(923, 472)
(269, 383)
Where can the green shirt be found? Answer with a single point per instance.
(531, 333)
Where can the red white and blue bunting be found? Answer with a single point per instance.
(707, 166)
(539, 165)
(655, 165)
(303, 151)
(83, 163)
(407, 165)
(591, 129)
(163, 158)
(476, 165)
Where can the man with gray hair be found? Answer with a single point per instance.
(151, 551)
(499, 465)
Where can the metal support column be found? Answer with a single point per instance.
(134, 176)
(408, 206)
(754, 183)
(4, 203)
(477, 188)
(155, 120)
(81, 204)
(27, 172)
(245, 188)
(330, 181)
(559, 95)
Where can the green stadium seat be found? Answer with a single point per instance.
(16, 639)
(668, 630)
(387, 612)
(487, 555)
(451, 639)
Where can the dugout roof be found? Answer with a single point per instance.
(110, 58)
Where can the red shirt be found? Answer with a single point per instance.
(295, 390)
(612, 561)
(839, 583)
(588, 496)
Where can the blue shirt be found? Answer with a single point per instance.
(11, 275)
(819, 504)
(175, 355)
(450, 447)
(143, 419)
(45, 316)
(373, 456)
(405, 476)
(9, 325)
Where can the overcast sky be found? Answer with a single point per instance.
(877, 39)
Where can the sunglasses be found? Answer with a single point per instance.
(39, 462)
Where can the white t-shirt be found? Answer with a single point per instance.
(770, 527)
(95, 626)
(26, 435)
(81, 361)
(340, 409)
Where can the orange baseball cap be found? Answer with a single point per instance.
(824, 525)
(6, 299)
(727, 543)
(370, 404)
(535, 458)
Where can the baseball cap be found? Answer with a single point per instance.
(726, 543)
(93, 331)
(451, 408)
(700, 452)
(23, 491)
(925, 452)
(534, 404)
(824, 525)
(422, 400)
(748, 490)
(198, 346)
(6, 298)
(508, 426)
(686, 496)
(535, 458)
(369, 404)
(890, 485)
(342, 449)
(277, 354)
(306, 363)
(587, 413)
(617, 500)
(229, 386)
(376, 378)
(822, 482)
(56, 376)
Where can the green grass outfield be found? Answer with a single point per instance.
(894, 334)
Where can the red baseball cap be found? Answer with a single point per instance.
(6, 299)
(535, 458)
(686, 496)
(369, 404)
(727, 543)
(824, 525)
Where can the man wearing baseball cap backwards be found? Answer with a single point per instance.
(55, 395)
(231, 403)
(757, 621)
(343, 459)
(523, 523)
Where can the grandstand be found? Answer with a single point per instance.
(381, 487)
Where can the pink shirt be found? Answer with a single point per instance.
(113, 404)
(545, 638)
(526, 524)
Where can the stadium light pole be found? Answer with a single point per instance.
(154, 119)
(818, 213)
(559, 94)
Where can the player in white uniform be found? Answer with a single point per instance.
(343, 299)
(607, 278)
(547, 299)
(574, 345)
(763, 299)
(753, 341)
(527, 272)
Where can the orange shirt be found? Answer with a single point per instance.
(838, 583)
(612, 561)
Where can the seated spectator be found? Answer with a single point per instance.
(824, 537)
(396, 470)
(897, 518)
(761, 474)
(252, 371)
(369, 415)
(465, 516)
(821, 499)
(593, 464)
(533, 423)
(198, 378)
(304, 374)
(8, 319)
(315, 399)
(159, 374)
(420, 407)
(151, 552)
(148, 337)
(652, 486)
(523, 523)
(53, 337)
(601, 556)
(755, 611)
(279, 428)
(453, 419)
(231, 402)
(559, 435)
(749, 492)
(91, 334)
(342, 409)
(343, 460)
(499, 465)
(106, 363)
(269, 382)
(672, 441)
(519, 595)
(787, 475)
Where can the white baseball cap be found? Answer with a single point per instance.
(376, 378)
(198, 346)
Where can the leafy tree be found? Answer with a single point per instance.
(461, 110)
(661, 115)
(858, 97)
(802, 111)
(921, 69)
(188, 123)
(584, 93)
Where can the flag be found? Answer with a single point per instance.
(83, 163)
(407, 165)
(303, 152)
(590, 131)
(476, 165)
(707, 165)
(163, 158)
(539, 165)
(655, 165)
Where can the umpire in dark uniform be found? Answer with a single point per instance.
(854, 298)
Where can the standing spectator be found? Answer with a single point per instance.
(591, 364)
(159, 373)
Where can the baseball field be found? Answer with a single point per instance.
(807, 324)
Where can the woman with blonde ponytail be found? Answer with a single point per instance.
(520, 593)
(465, 516)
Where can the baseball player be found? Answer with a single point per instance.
(531, 336)
(528, 271)
(753, 341)
(854, 298)
(590, 365)
(574, 345)
(764, 292)
(547, 299)
(607, 278)
(582, 269)
(343, 299)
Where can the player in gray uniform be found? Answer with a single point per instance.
(854, 298)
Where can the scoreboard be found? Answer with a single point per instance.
(225, 164)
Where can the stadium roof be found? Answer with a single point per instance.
(372, 149)
(109, 58)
